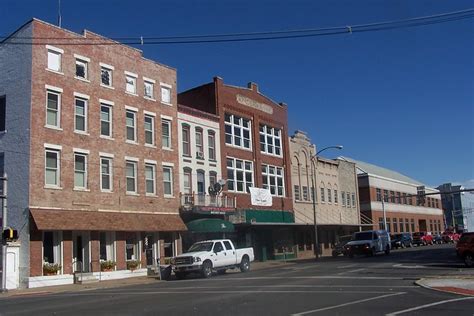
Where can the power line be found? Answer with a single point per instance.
(252, 36)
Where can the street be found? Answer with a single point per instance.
(380, 285)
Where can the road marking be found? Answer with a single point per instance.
(348, 303)
(302, 277)
(429, 305)
(347, 266)
(352, 271)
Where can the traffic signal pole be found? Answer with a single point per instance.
(4, 226)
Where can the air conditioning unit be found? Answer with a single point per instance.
(199, 155)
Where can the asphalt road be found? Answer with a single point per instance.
(380, 285)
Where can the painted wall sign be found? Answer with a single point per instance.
(254, 104)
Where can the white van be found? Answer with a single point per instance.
(369, 243)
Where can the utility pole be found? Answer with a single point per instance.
(4, 226)
(384, 215)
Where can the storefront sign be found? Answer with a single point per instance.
(254, 104)
(261, 197)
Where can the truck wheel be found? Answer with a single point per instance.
(334, 254)
(180, 275)
(245, 264)
(469, 260)
(206, 269)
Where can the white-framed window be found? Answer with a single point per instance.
(82, 69)
(167, 181)
(80, 171)
(131, 84)
(270, 140)
(131, 176)
(166, 133)
(131, 125)
(305, 193)
(211, 143)
(239, 175)
(149, 130)
(272, 178)
(52, 247)
(52, 167)
(297, 192)
(237, 131)
(329, 196)
(106, 174)
(323, 198)
(353, 199)
(343, 198)
(106, 76)
(105, 120)
(186, 131)
(53, 109)
(107, 246)
(80, 115)
(348, 199)
(187, 180)
(54, 58)
(198, 133)
(166, 94)
(149, 89)
(150, 179)
(132, 247)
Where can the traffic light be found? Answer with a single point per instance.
(9, 234)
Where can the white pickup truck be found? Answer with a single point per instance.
(205, 256)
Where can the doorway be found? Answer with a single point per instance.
(81, 251)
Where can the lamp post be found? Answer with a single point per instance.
(313, 180)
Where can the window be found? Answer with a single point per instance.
(107, 246)
(392, 197)
(343, 198)
(52, 247)
(381, 223)
(149, 87)
(132, 247)
(105, 120)
(106, 174)
(227, 245)
(52, 171)
(166, 133)
(168, 181)
(385, 195)
(149, 130)
(53, 109)
(323, 199)
(412, 225)
(131, 176)
(3, 113)
(407, 227)
(81, 69)
(270, 140)
(329, 196)
(131, 84)
(106, 76)
(211, 140)
(335, 197)
(297, 192)
(187, 181)
(150, 179)
(401, 225)
(379, 195)
(239, 175)
(353, 200)
(395, 225)
(186, 140)
(399, 198)
(348, 199)
(389, 225)
(131, 125)
(237, 131)
(272, 178)
(199, 143)
(166, 94)
(54, 59)
(404, 199)
(80, 171)
(212, 178)
(201, 182)
(410, 200)
(305, 193)
(437, 203)
(80, 115)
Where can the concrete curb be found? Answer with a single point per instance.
(446, 289)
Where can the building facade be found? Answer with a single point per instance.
(335, 193)
(386, 190)
(91, 149)
(255, 154)
(458, 207)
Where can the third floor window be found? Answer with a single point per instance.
(131, 125)
(270, 140)
(186, 140)
(237, 131)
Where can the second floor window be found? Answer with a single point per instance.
(297, 192)
(168, 181)
(343, 198)
(166, 134)
(239, 175)
(323, 199)
(272, 179)
(131, 125)
(211, 140)
(270, 140)
(131, 176)
(53, 109)
(106, 174)
(150, 180)
(329, 196)
(80, 171)
(80, 115)
(105, 120)
(187, 181)
(336, 197)
(237, 131)
(149, 130)
(106, 76)
(52, 171)
(186, 141)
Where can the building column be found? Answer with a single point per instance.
(67, 252)
(120, 251)
(36, 252)
(95, 251)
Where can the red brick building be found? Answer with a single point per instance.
(91, 151)
(254, 153)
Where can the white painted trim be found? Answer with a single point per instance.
(53, 88)
(81, 151)
(162, 84)
(106, 102)
(107, 66)
(149, 80)
(132, 158)
(52, 146)
(83, 58)
(168, 164)
(42, 281)
(55, 49)
(149, 113)
(106, 155)
(398, 181)
(81, 95)
(131, 74)
(131, 108)
(153, 162)
(166, 117)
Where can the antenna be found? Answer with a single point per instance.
(59, 13)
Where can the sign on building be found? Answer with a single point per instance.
(261, 197)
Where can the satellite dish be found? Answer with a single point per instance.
(217, 187)
(222, 182)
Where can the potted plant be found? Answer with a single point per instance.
(107, 265)
(51, 268)
(133, 264)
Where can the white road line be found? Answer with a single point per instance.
(352, 271)
(347, 266)
(348, 303)
(429, 305)
(303, 277)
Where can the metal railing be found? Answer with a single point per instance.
(190, 200)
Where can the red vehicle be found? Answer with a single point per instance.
(450, 236)
(465, 249)
(422, 238)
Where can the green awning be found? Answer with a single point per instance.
(210, 225)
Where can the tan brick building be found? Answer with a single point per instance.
(90, 148)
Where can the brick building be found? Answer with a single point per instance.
(90, 147)
(255, 153)
(398, 192)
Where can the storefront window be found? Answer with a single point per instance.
(107, 246)
(52, 247)
(131, 248)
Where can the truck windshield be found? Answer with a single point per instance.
(202, 246)
(363, 236)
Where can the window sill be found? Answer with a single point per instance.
(108, 87)
(83, 79)
(52, 187)
(187, 156)
(149, 99)
(132, 194)
(54, 127)
(150, 146)
(166, 103)
(167, 149)
(131, 142)
(107, 137)
(55, 71)
(151, 195)
(271, 155)
(168, 196)
(81, 190)
(106, 191)
(131, 93)
(239, 147)
(82, 133)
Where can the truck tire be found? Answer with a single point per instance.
(180, 275)
(469, 260)
(245, 264)
(206, 269)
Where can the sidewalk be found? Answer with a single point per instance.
(458, 285)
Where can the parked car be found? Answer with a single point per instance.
(205, 256)
(339, 247)
(450, 236)
(465, 249)
(437, 239)
(422, 238)
(401, 240)
(369, 243)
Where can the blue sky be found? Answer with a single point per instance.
(402, 99)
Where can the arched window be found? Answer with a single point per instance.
(188, 181)
(322, 193)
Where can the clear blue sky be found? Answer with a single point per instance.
(402, 99)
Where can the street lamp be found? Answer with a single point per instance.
(313, 178)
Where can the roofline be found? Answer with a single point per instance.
(17, 30)
(280, 104)
(397, 181)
